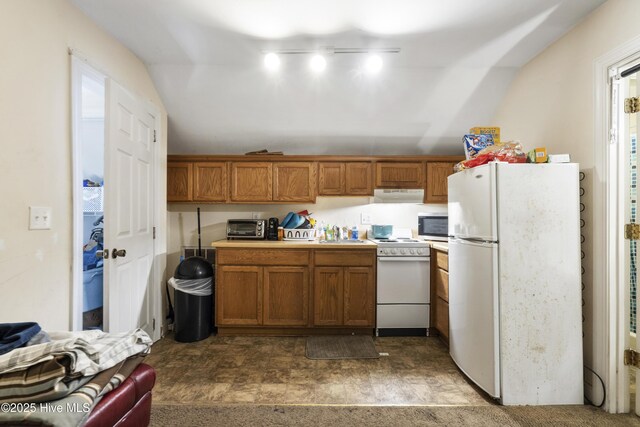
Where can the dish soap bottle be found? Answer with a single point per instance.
(354, 233)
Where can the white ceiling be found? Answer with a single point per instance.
(457, 59)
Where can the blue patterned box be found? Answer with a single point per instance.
(474, 143)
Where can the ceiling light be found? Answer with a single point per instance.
(373, 64)
(318, 63)
(271, 61)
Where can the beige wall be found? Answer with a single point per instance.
(551, 103)
(35, 137)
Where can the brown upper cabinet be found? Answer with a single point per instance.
(210, 182)
(345, 179)
(179, 182)
(399, 175)
(294, 182)
(437, 173)
(251, 182)
(299, 179)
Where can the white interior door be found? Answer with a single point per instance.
(128, 211)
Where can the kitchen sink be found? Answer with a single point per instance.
(342, 242)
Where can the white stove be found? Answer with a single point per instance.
(403, 286)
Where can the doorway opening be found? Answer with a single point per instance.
(88, 101)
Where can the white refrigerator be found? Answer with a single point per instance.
(515, 303)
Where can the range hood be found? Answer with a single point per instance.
(399, 195)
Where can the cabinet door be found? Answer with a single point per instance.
(358, 181)
(238, 295)
(210, 181)
(294, 182)
(251, 182)
(437, 173)
(442, 317)
(359, 296)
(328, 296)
(399, 175)
(331, 178)
(179, 182)
(286, 296)
(442, 284)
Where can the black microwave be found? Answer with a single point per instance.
(433, 226)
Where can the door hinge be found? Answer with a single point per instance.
(154, 324)
(154, 135)
(154, 232)
(631, 105)
(631, 358)
(632, 231)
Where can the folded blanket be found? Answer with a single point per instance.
(74, 409)
(14, 335)
(44, 381)
(89, 352)
(53, 370)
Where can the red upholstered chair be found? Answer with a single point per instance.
(127, 405)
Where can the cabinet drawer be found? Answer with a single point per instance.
(262, 257)
(442, 260)
(442, 284)
(346, 257)
(442, 317)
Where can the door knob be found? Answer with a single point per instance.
(103, 254)
(119, 252)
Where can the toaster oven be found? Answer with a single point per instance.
(246, 228)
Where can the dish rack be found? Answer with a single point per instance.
(299, 234)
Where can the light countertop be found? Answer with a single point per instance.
(291, 244)
(440, 246)
(308, 244)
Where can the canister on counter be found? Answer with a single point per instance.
(280, 233)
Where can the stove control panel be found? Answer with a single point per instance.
(415, 251)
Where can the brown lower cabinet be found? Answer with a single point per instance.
(239, 295)
(440, 293)
(290, 288)
(343, 296)
(285, 296)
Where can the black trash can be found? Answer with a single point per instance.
(193, 298)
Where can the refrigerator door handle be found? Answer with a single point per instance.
(475, 242)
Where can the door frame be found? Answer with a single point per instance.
(611, 325)
(79, 62)
(79, 66)
(159, 222)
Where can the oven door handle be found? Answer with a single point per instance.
(403, 258)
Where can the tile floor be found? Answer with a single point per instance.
(274, 370)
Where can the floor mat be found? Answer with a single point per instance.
(341, 347)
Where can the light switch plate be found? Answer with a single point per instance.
(365, 218)
(39, 218)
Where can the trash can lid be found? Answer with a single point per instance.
(194, 267)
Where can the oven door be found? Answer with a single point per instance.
(403, 280)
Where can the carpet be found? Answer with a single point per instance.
(341, 347)
(166, 414)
